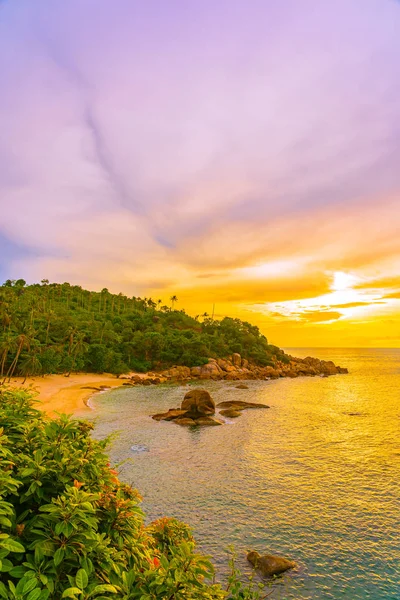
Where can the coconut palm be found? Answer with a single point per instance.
(23, 340)
(173, 300)
(30, 366)
(7, 344)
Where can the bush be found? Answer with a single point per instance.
(70, 529)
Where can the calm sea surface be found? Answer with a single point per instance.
(315, 478)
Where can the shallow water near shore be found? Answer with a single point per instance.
(315, 478)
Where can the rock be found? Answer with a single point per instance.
(328, 367)
(271, 372)
(230, 412)
(173, 413)
(343, 370)
(185, 421)
(242, 386)
(239, 405)
(198, 403)
(236, 359)
(209, 371)
(291, 373)
(207, 421)
(268, 564)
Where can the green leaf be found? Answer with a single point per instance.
(18, 572)
(71, 592)
(59, 556)
(30, 585)
(12, 545)
(5, 565)
(35, 594)
(3, 591)
(99, 589)
(81, 579)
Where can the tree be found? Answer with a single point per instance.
(7, 344)
(23, 340)
(72, 529)
(173, 299)
(30, 366)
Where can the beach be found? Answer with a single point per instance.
(58, 393)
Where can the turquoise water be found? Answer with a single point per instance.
(315, 478)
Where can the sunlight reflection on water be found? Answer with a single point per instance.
(314, 478)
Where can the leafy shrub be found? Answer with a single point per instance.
(70, 529)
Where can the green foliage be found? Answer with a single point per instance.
(59, 328)
(70, 529)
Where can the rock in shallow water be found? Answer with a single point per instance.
(269, 564)
(198, 403)
(208, 421)
(240, 405)
(230, 413)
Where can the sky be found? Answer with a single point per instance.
(242, 155)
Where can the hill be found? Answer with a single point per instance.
(51, 328)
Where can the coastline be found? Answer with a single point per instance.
(60, 394)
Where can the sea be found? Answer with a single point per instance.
(314, 478)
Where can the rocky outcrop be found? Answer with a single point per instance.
(197, 408)
(269, 565)
(236, 368)
(198, 403)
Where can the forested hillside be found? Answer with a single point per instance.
(60, 328)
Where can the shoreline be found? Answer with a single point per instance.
(60, 394)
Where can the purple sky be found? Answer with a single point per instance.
(142, 142)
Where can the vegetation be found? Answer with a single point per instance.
(58, 328)
(70, 529)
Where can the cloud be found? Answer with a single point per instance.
(247, 170)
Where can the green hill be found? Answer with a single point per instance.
(58, 328)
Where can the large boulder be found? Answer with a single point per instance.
(328, 367)
(210, 370)
(198, 403)
(236, 359)
(269, 564)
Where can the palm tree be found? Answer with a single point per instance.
(71, 333)
(7, 344)
(30, 366)
(173, 300)
(23, 340)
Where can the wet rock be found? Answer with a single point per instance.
(185, 422)
(240, 405)
(207, 421)
(242, 386)
(198, 403)
(230, 412)
(269, 564)
(172, 414)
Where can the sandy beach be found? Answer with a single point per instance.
(58, 393)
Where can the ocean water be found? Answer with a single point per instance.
(315, 478)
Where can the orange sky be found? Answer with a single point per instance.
(232, 157)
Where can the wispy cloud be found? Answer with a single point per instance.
(246, 170)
